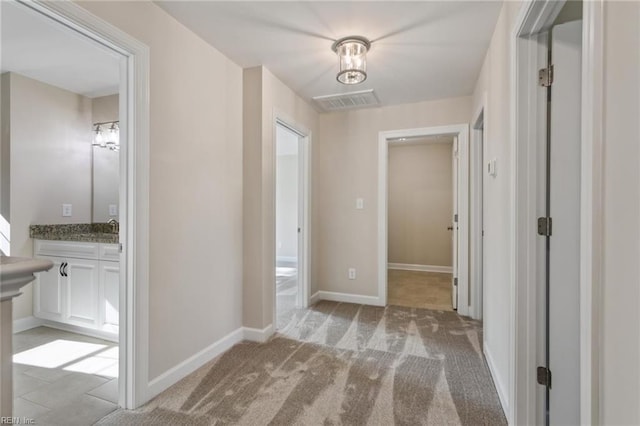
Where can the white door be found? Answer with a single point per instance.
(82, 291)
(454, 225)
(109, 296)
(564, 210)
(48, 291)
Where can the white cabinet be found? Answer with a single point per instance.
(83, 287)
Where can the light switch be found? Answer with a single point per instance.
(352, 273)
(67, 210)
(113, 210)
(359, 203)
(491, 168)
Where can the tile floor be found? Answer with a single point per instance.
(62, 378)
(417, 289)
(286, 293)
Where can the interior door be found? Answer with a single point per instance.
(564, 209)
(454, 221)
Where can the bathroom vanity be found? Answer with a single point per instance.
(82, 289)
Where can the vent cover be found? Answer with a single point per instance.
(362, 99)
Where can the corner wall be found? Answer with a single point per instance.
(345, 167)
(265, 99)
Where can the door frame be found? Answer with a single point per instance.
(462, 132)
(534, 17)
(304, 207)
(476, 219)
(134, 190)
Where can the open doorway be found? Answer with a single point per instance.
(420, 222)
(478, 168)
(290, 206)
(452, 141)
(64, 194)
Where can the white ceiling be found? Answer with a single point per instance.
(421, 50)
(34, 46)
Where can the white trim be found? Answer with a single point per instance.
(315, 298)
(27, 323)
(98, 334)
(477, 157)
(257, 335)
(289, 259)
(358, 299)
(591, 196)
(191, 364)
(421, 268)
(462, 132)
(500, 386)
(134, 219)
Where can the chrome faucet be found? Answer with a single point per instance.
(115, 226)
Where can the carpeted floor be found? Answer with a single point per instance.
(418, 289)
(340, 364)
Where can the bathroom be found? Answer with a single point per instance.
(60, 200)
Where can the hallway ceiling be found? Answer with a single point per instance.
(421, 50)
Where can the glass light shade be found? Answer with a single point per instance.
(113, 136)
(99, 139)
(352, 52)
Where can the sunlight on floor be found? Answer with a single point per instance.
(56, 354)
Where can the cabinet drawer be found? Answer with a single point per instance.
(110, 252)
(76, 250)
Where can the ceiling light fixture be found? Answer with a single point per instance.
(352, 52)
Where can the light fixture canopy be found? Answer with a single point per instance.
(352, 53)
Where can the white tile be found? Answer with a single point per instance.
(46, 374)
(61, 392)
(23, 384)
(108, 391)
(83, 411)
(27, 409)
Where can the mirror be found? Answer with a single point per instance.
(105, 161)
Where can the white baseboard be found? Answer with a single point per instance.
(421, 268)
(257, 335)
(27, 323)
(188, 366)
(502, 394)
(111, 337)
(346, 298)
(315, 298)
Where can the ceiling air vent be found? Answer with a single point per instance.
(362, 99)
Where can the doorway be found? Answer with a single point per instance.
(457, 159)
(131, 252)
(478, 168)
(291, 222)
(422, 238)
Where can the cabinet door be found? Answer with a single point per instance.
(110, 295)
(48, 294)
(82, 291)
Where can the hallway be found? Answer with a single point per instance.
(340, 363)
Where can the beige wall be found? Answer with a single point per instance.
(195, 179)
(420, 204)
(495, 81)
(620, 345)
(265, 98)
(106, 163)
(287, 207)
(345, 166)
(50, 163)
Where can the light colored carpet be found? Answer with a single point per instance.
(340, 364)
(417, 289)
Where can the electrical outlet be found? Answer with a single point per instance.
(352, 273)
(113, 210)
(359, 203)
(67, 210)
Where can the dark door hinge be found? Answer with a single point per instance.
(455, 282)
(544, 226)
(544, 377)
(545, 76)
(455, 218)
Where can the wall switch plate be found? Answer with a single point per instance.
(352, 273)
(359, 203)
(67, 210)
(113, 210)
(491, 168)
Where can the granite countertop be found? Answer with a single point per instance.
(85, 232)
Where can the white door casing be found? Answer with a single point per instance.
(454, 225)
